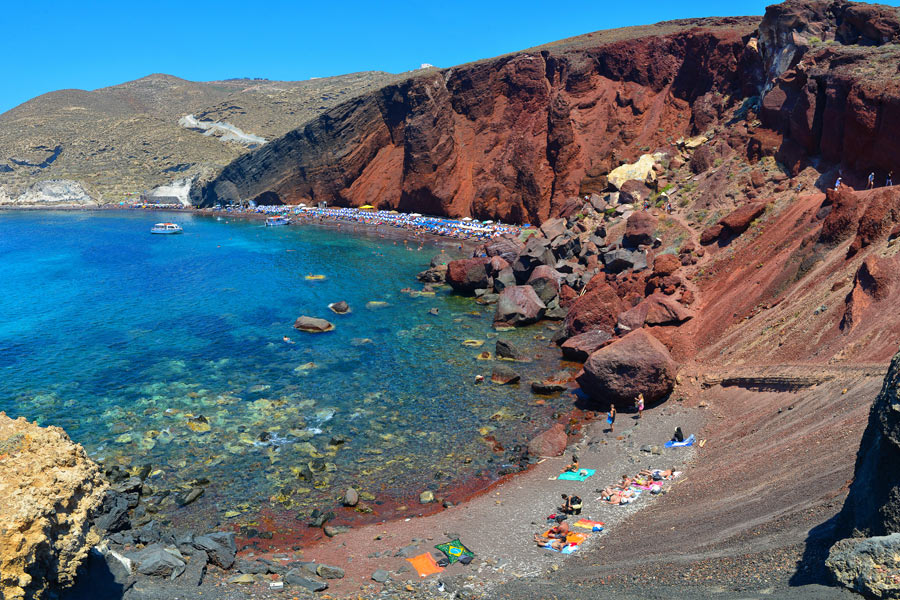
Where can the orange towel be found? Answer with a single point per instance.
(425, 564)
(589, 524)
(571, 538)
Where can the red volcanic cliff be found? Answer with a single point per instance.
(514, 137)
(509, 138)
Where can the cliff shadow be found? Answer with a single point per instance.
(96, 581)
(811, 566)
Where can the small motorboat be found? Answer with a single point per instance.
(166, 228)
(277, 221)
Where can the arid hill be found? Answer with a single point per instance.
(126, 139)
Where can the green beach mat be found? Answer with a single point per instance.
(454, 550)
(581, 475)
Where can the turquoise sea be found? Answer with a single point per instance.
(169, 350)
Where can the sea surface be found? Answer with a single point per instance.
(169, 351)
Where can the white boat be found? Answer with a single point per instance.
(166, 228)
(276, 221)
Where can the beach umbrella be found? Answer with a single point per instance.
(488, 222)
(466, 219)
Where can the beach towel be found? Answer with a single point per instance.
(589, 524)
(454, 550)
(425, 565)
(687, 442)
(580, 475)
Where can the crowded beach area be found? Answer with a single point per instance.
(465, 228)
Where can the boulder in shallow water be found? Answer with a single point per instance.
(469, 274)
(351, 497)
(503, 375)
(313, 325)
(49, 489)
(341, 308)
(506, 349)
(580, 347)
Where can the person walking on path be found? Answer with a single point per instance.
(639, 404)
(611, 418)
(889, 182)
(870, 183)
(837, 184)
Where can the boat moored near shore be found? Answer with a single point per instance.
(166, 228)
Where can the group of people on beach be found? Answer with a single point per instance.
(628, 488)
(462, 229)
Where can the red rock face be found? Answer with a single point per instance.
(875, 280)
(513, 138)
(467, 275)
(596, 309)
(549, 443)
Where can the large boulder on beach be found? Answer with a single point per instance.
(545, 281)
(468, 274)
(313, 325)
(503, 247)
(656, 309)
(596, 309)
(519, 305)
(868, 566)
(635, 364)
(49, 490)
(549, 443)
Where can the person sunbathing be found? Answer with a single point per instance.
(626, 482)
(543, 542)
(572, 468)
(657, 474)
(613, 495)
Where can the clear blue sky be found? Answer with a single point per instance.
(56, 44)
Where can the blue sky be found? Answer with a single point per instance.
(55, 44)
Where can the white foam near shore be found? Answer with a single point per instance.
(223, 130)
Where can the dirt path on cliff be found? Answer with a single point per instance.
(752, 516)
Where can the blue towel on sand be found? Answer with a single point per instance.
(577, 476)
(569, 549)
(687, 442)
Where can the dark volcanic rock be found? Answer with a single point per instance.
(545, 281)
(866, 565)
(623, 259)
(220, 547)
(156, 560)
(873, 505)
(340, 308)
(519, 305)
(635, 364)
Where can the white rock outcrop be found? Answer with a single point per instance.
(177, 192)
(54, 192)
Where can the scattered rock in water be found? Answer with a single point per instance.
(189, 496)
(484, 356)
(361, 341)
(318, 518)
(548, 386)
(313, 325)
(341, 308)
(426, 497)
(506, 349)
(503, 375)
(376, 304)
(351, 497)
(431, 311)
(329, 572)
(473, 343)
(198, 424)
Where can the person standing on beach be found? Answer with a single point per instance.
(611, 418)
(639, 404)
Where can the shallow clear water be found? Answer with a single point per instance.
(168, 350)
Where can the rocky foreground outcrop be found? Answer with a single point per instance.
(49, 489)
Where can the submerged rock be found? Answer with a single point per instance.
(503, 375)
(549, 443)
(313, 325)
(341, 308)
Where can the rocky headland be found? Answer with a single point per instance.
(51, 491)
